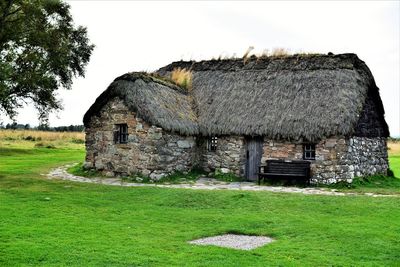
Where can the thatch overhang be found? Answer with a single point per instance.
(155, 100)
(304, 97)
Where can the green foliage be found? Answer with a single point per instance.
(40, 51)
(226, 177)
(60, 223)
(181, 177)
(375, 183)
(78, 170)
(174, 178)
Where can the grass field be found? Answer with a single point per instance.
(58, 223)
(394, 157)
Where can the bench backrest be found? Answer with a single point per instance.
(288, 167)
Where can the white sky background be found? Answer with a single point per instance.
(137, 36)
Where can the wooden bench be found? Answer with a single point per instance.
(293, 170)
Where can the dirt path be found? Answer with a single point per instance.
(206, 184)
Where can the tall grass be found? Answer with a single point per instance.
(182, 77)
(41, 135)
(247, 53)
(27, 139)
(394, 148)
(280, 52)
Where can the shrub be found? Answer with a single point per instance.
(30, 138)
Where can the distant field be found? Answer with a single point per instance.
(394, 157)
(31, 138)
(394, 148)
(42, 135)
(60, 223)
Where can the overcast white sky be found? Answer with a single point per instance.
(136, 36)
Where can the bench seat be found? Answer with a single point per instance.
(297, 170)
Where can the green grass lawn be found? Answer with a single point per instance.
(394, 162)
(59, 223)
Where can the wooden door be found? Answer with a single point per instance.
(253, 157)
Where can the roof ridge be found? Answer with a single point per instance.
(151, 77)
(253, 62)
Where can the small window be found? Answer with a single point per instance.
(309, 151)
(212, 143)
(121, 134)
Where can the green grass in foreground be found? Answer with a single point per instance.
(59, 223)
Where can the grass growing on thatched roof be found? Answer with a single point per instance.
(295, 62)
(154, 98)
(182, 77)
(152, 77)
(302, 96)
(275, 53)
(286, 97)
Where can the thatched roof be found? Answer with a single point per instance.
(296, 97)
(155, 100)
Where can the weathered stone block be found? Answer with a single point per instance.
(225, 170)
(184, 144)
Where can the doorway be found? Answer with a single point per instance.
(254, 151)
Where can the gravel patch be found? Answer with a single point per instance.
(206, 184)
(243, 242)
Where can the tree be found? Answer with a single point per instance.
(41, 50)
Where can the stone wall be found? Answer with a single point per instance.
(150, 150)
(281, 150)
(337, 159)
(229, 156)
(153, 152)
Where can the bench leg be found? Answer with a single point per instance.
(260, 178)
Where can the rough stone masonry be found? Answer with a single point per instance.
(153, 152)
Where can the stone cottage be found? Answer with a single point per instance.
(237, 114)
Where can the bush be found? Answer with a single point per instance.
(30, 138)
